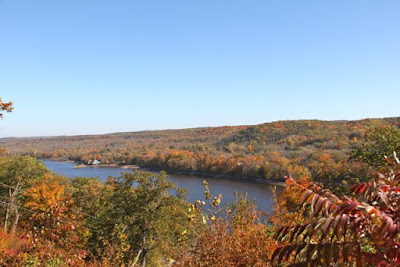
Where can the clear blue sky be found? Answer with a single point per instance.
(92, 66)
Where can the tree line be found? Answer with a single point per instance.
(326, 216)
(265, 151)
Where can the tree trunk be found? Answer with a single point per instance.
(144, 258)
(12, 204)
(137, 258)
(144, 250)
(14, 227)
(9, 206)
(7, 216)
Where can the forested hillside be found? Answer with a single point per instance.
(50, 220)
(269, 150)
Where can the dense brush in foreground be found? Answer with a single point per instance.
(361, 229)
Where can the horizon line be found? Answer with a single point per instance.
(190, 128)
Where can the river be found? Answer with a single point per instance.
(261, 192)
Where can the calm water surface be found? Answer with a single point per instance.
(259, 191)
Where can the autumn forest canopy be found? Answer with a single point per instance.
(340, 206)
(320, 149)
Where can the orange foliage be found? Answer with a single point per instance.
(8, 107)
(50, 235)
(287, 211)
(238, 240)
(54, 232)
(10, 245)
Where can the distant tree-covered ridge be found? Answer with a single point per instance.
(269, 150)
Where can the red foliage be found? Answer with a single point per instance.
(363, 229)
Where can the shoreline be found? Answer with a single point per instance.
(132, 167)
(79, 166)
(224, 176)
(138, 168)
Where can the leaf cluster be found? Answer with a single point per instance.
(363, 229)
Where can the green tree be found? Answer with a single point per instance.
(17, 174)
(92, 201)
(380, 142)
(137, 217)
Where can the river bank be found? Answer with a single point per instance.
(224, 176)
(81, 165)
(136, 167)
(133, 167)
